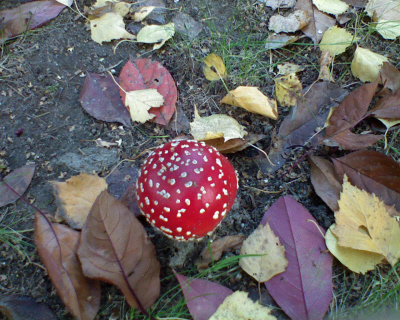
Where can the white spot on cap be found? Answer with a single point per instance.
(205, 159)
(225, 191)
(155, 166)
(216, 214)
(164, 194)
(141, 187)
(218, 196)
(157, 185)
(137, 197)
(171, 181)
(212, 168)
(188, 233)
(153, 221)
(148, 215)
(188, 184)
(212, 184)
(207, 205)
(174, 144)
(152, 159)
(178, 215)
(178, 191)
(163, 218)
(210, 150)
(202, 143)
(156, 202)
(166, 209)
(187, 201)
(151, 183)
(166, 151)
(187, 153)
(199, 195)
(225, 182)
(185, 146)
(225, 205)
(202, 210)
(183, 175)
(194, 161)
(223, 213)
(179, 238)
(161, 159)
(165, 229)
(147, 200)
(152, 210)
(146, 172)
(169, 164)
(181, 210)
(218, 161)
(178, 201)
(178, 159)
(174, 168)
(196, 170)
(141, 205)
(209, 178)
(179, 229)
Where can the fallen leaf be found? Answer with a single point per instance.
(287, 68)
(389, 123)
(215, 126)
(388, 107)
(272, 261)
(100, 98)
(372, 171)
(235, 145)
(253, 100)
(238, 306)
(100, 8)
(16, 307)
(288, 90)
(213, 252)
(115, 248)
(276, 41)
(214, 67)
(325, 61)
(67, 3)
(27, 16)
(157, 34)
(362, 223)
(141, 101)
(366, 64)
(275, 4)
(202, 297)
(18, 180)
(390, 76)
(308, 276)
(109, 27)
(158, 14)
(291, 23)
(76, 196)
(325, 181)
(57, 246)
(105, 144)
(335, 7)
(142, 13)
(142, 74)
(387, 15)
(336, 40)
(185, 24)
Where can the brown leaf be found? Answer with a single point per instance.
(374, 172)
(18, 180)
(234, 145)
(114, 247)
(217, 248)
(390, 76)
(57, 246)
(388, 107)
(325, 181)
(15, 307)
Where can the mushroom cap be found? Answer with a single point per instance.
(185, 188)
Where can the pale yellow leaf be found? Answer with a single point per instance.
(287, 68)
(335, 40)
(271, 261)
(366, 64)
(109, 27)
(214, 68)
(335, 7)
(253, 100)
(363, 223)
(142, 13)
(76, 196)
(291, 23)
(120, 7)
(287, 90)
(141, 101)
(386, 13)
(358, 261)
(216, 126)
(238, 306)
(156, 34)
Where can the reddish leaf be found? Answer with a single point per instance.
(18, 180)
(202, 297)
(143, 74)
(26, 17)
(21, 308)
(114, 247)
(374, 172)
(387, 107)
(304, 290)
(325, 181)
(57, 245)
(100, 98)
(390, 76)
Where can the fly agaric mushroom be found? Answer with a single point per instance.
(185, 188)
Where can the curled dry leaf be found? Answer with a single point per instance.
(142, 13)
(57, 246)
(76, 196)
(235, 145)
(335, 7)
(335, 40)
(214, 67)
(253, 100)
(141, 101)
(366, 64)
(288, 90)
(325, 61)
(292, 23)
(109, 27)
(115, 248)
(156, 34)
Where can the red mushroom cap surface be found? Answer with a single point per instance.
(185, 188)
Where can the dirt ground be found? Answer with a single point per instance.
(40, 82)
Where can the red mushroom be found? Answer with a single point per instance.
(185, 188)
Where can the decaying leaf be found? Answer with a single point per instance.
(366, 64)
(274, 4)
(17, 307)
(280, 40)
(214, 67)
(271, 261)
(141, 101)
(235, 145)
(388, 124)
(142, 13)
(216, 126)
(287, 90)
(109, 27)
(292, 23)
(157, 34)
(390, 76)
(335, 40)
(335, 7)
(253, 100)
(287, 68)
(325, 61)
(238, 306)
(386, 13)
(102, 7)
(363, 223)
(76, 196)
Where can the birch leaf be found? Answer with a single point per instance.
(141, 101)
(335, 40)
(109, 27)
(142, 13)
(366, 64)
(287, 90)
(156, 34)
(214, 68)
(335, 7)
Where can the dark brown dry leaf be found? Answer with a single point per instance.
(217, 248)
(57, 245)
(388, 107)
(18, 180)
(390, 76)
(235, 145)
(128, 199)
(115, 248)
(325, 181)
(15, 307)
(374, 172)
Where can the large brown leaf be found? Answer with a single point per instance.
(114, 247)
(388, 107)
(374, 172)
(57, 245)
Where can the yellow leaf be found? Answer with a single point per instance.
(287, 90)
(335, 7)
(109, 27)
(386, 13)
(273, 261)
(363, 223)
(238, 306)
(141, 101)
(358, 261)
(142, 13)
(214, 68)
(156, 34)
(366, 64)
(287, 68)
(335, 40)
(216, 126)
(76, 196)
(253, 100)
